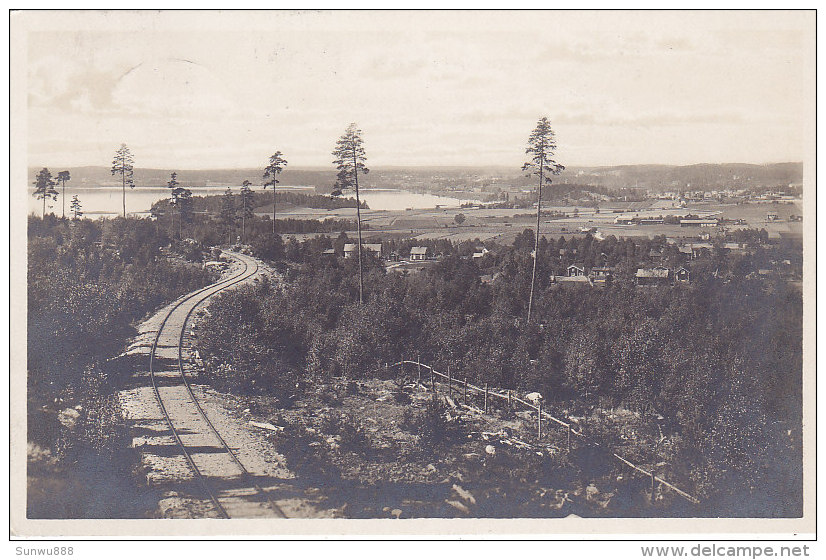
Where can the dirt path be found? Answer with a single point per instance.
(254, 483)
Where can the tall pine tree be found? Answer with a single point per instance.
(76, 207)
(123, 165)
(62, 177)
(350, 159)
(247, 199)
(44, 187)
(271, 172)
(541, 149)
(228, 215)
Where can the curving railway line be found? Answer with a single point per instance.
(221, 476)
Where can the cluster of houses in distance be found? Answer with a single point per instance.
(603, 275)
(653, 272)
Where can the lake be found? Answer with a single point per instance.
(107, 201)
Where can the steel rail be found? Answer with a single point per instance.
(216, 287)
(245, 473)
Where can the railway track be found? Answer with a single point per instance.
(224, 480)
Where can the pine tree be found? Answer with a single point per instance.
(181, 200)
(44, 187)
(76, 207)
(350, 158)
(123, 165)
(62, 177)
(271, 172)
(228, 214)
(541, 148)
(246, 208)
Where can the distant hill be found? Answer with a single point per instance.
(702, 176)
(435, 179)
(99, 176)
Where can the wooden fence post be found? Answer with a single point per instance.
(486, 398)
(539, 420)
(569, 438)
(432, 383)
(653, 484)
(464, 396)
(449, 383)
(510, 405)
(419, 371)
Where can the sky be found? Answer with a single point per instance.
(200, 90)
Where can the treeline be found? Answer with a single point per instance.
(263, 200)
(225, 225)
(719, 362)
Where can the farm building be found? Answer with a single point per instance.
(572, 280)
(351, 249)
(682, 275)
(698, 223)
(480, 252)
(657, 276)
(576, 270)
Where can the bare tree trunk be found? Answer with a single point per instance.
(44, 206)
(358, 222)
(536, 243)
(123, 186)
(273, 206)
(63, 196)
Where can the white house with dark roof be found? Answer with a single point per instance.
(418, 253)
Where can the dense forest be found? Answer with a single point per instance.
(717, 362)
(88, 284)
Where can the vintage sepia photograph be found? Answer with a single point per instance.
(472, 271)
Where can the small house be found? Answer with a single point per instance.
(682, 275)
(602, 275)
(329, 252)
(418, 253)
(699, 249)
(576, 270)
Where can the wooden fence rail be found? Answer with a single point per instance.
(540, 414)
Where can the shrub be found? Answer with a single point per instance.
(430, 424)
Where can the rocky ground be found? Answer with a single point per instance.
(368, 450)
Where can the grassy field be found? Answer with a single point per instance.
(503, 225)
